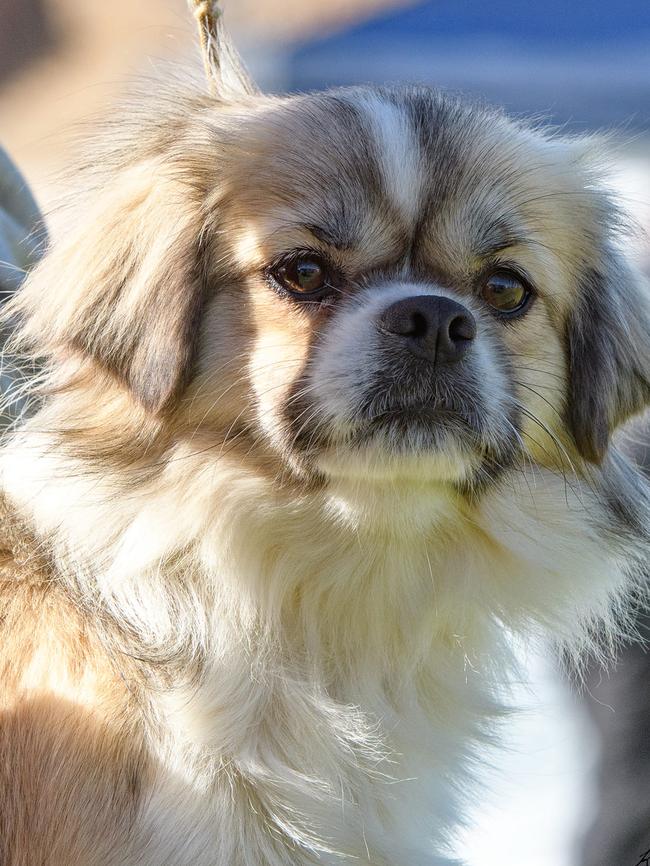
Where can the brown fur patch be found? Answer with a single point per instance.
(72, 761)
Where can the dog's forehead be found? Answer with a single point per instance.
(379, 167)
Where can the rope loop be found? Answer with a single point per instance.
(207, 14)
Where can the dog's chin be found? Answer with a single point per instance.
(410, 446)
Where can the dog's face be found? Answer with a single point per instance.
(407, 281)
(379, 284)
(368, 284)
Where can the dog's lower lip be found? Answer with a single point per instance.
(408, 409)
(421, 419)
(414, 413)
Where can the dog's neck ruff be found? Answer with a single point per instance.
(334, 669)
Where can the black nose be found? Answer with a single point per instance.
(435, 328)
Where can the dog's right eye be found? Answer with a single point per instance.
(307, 276)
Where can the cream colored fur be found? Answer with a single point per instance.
(297, 656)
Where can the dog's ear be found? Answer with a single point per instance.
(608, 342)
(124, 287)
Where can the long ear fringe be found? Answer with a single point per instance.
(124, 289)
(226, 74)
(609, 354)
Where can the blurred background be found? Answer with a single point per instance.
(569, 788)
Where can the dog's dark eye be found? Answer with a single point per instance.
(506, 293)
(303, 275)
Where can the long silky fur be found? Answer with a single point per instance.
(274, 669)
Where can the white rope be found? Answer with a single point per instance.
(207, 15)
(223, 67)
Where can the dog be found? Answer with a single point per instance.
(325, 417)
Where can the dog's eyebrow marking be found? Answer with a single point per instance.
(398, 152)
(335, 235)
(499, 235)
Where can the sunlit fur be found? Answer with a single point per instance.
(254, 615)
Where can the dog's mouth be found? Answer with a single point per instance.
(414, 443)
(418, 427)
(398, 430)
(420, 444)
(443, 432)
(430, 417)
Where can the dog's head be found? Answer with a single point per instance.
(377, 283)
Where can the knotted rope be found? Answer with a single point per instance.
(223, 67)
(208, 16)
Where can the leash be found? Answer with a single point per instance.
(223, 69)
(208, 15)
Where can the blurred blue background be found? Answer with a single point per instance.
(586, 64)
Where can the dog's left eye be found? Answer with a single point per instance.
(308, 276)
(506, 293)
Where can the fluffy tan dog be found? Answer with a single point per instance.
(326, 414)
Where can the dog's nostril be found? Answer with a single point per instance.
(419, 325)
(461, 328)
(434, 328)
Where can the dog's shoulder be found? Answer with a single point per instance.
(72, 760)
(22, 557)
